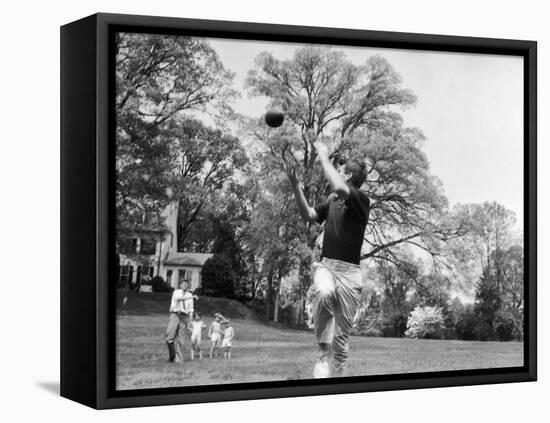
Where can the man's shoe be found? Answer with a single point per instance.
(321, 369)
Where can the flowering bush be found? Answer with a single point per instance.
(425, 322)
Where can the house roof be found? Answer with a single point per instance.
(187, 259)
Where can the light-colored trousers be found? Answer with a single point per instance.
(335, 297)
(175, 333)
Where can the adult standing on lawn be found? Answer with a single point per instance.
(177, 324)
(337, 281)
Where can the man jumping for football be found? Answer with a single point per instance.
(337, 281)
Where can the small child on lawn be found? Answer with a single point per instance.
(215, 334)
(195, 327)
(228, 335)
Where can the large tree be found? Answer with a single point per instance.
(355, 110)
(499, 295)
(204, 162)
(158, 77)
(397, 284)
(274, 232)
(489, 228)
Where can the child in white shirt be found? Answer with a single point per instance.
(228, 335)
(215, 333)
(195, 327)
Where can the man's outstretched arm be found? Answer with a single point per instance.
(307, 212)
(337, 183)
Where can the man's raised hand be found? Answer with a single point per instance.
(291, 173)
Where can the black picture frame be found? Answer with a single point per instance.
(87, 210)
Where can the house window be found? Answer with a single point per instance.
(126, 275)
(169, 277)
(145, 273)
(182, 275)
(148, 246)
(148, 270)
(128, 245)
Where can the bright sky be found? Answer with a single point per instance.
(470, 107)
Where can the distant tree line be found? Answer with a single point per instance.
(427, 311)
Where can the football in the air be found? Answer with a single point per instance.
(274, 118)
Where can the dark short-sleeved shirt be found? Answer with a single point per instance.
(346, 221)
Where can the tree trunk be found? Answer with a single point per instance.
(276, 310)
(299, 313)
(269, 294)
(305, 277)
(277, 298)
(254, 276)
(268, 300)
(305, 282)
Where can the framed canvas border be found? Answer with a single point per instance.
(87, 210)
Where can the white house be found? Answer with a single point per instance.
(156, 253)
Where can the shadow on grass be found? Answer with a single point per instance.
(51, 387)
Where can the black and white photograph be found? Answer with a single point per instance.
(275, 211)
(292, 211)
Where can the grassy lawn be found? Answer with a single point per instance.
(262, 352)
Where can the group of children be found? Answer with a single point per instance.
(220, 333)
(184, 317)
